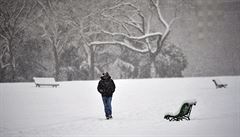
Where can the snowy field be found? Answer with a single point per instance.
(76, 109)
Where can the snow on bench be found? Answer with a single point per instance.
(45, 81)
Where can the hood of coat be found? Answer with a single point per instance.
(105, 76)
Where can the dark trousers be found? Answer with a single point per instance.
(107, 105)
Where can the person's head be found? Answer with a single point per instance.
(105, 76)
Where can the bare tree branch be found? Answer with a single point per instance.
(21, 10)
(172, 21)
(46, 34)
(118, 22)
(26, 16)
(43, 7)
(30, 9)
(27, 25)
(138, 27)
(6, 39)
(60, 48)
(160, 17)
(131, 21)
(4, 27)
(15, 7)
(2, 65)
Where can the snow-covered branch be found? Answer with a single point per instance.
(118, 43)
(124, 4)
(160, 17)
(132, 37)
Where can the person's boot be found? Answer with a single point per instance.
(109, 117)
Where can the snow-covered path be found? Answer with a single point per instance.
(75, 108)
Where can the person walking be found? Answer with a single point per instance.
(106, 88)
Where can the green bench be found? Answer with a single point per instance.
(184, 112)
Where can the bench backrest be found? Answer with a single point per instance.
(186, 108)
(217, 82)
(45, 80)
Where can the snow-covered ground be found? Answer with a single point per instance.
(75, 108)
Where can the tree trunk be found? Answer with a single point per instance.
(12, 62)
(56, 62)
(153, 68)
(153, 71)
(2, 74)
(91, 64)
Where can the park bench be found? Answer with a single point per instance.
(219, 84)
(45, 81)
(184, 112)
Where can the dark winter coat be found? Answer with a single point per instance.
(106, 86)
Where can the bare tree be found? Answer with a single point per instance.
(138, 30)
(15, 17)
(55, 30)
(84, 20)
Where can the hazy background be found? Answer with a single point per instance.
(210, 38)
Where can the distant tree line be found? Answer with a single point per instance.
(78, 40)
